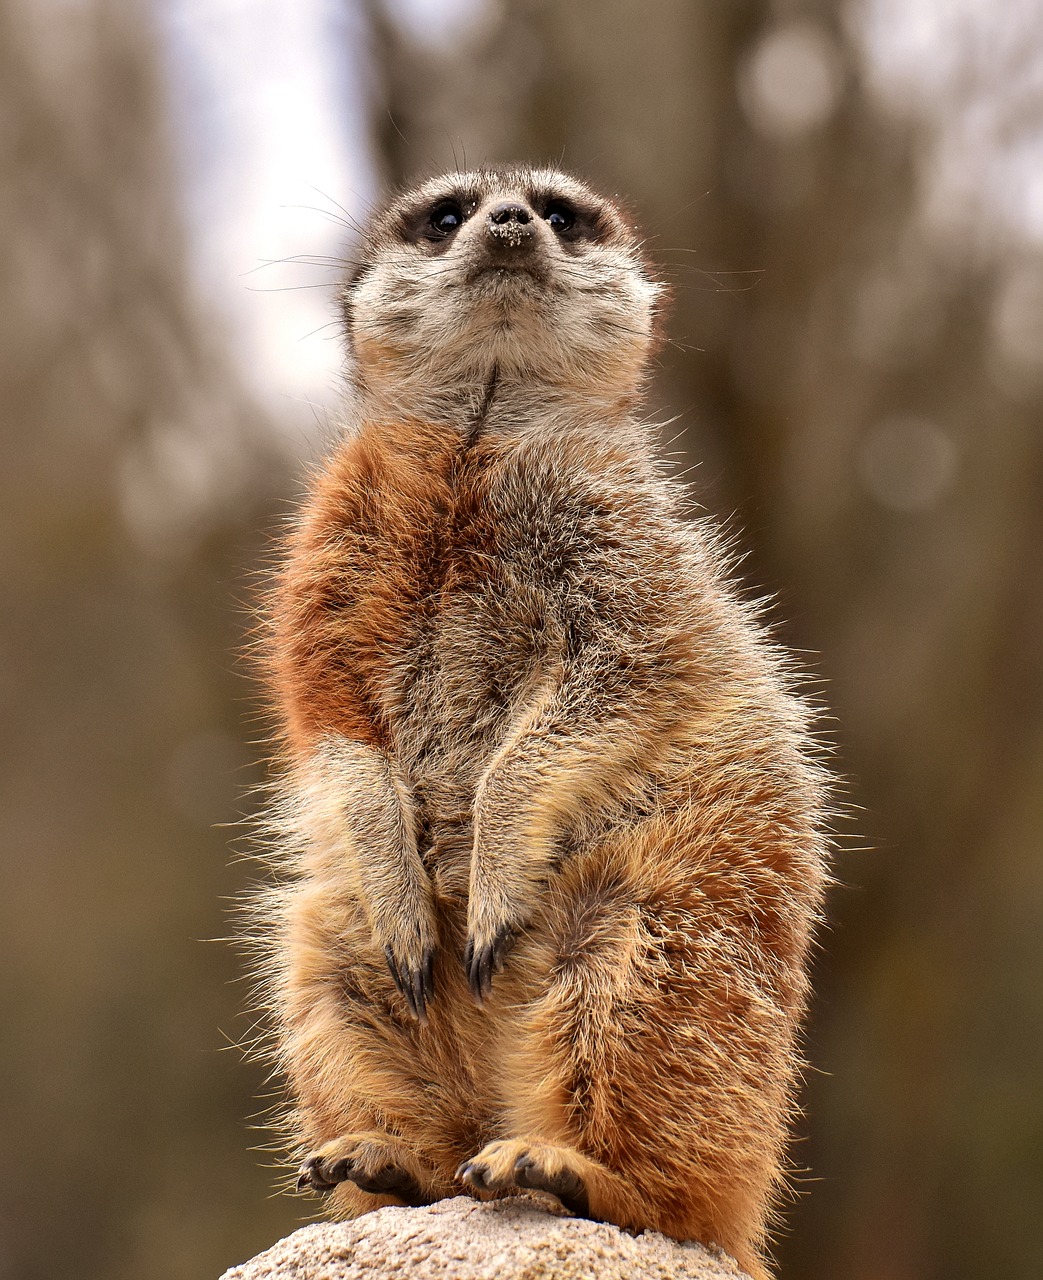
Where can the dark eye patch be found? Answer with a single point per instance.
(572, 221)
(434, 222)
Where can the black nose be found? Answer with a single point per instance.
(509, 211)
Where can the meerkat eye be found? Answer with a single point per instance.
(446, 217)
(559, 215)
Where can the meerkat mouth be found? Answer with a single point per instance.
(514, 278)
(513, 273)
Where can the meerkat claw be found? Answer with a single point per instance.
(473, 1174)
(398, 980)
(421, 980)
(428, 976)
(311, 1177)
(482, 963)
(566, 1185)
(417, 986)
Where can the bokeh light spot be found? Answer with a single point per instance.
(907, 464)
(791, 81)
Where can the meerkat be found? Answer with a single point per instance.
(550, 814)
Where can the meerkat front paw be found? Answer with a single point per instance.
(484, 956)
(416, 982)
(410, 955)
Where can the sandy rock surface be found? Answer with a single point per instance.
(462, 1239)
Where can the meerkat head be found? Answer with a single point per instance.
(513, 272)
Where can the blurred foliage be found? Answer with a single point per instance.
(862, 391)
(133, 500)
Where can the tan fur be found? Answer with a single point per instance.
(529, 728)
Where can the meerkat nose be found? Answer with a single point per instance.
(510, 227)
(509, 211)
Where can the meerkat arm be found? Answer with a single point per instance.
(358, 808)
(566, 753)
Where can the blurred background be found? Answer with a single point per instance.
(847, 200)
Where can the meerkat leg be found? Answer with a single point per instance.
(358, 1109)
(614, 1097)
(384, 1108)
(361, 1116)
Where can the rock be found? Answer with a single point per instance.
(463, 1239)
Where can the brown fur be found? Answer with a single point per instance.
(528, 727)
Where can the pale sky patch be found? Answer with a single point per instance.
(269, 101)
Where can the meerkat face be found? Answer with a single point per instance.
(518, 272)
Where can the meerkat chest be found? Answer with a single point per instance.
(486, 627)
(455, 591)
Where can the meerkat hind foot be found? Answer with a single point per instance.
(372, 1162)
(529, 1166)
